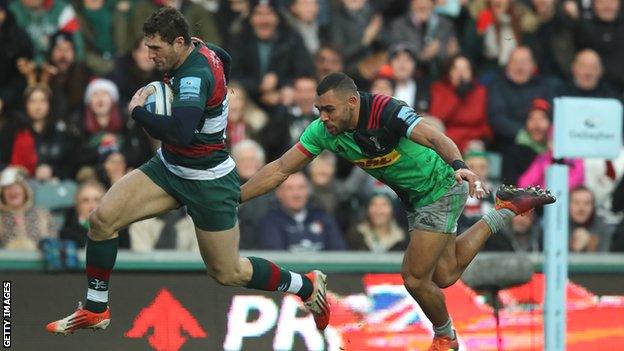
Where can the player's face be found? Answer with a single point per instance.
(335, 111)
(164, 55)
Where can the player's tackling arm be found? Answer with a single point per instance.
(426, 135)
(273, 174)
(430, 137)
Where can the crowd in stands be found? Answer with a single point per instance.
(483, 71)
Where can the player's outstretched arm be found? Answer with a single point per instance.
(273, 174)
(425, 134)
(430, 137)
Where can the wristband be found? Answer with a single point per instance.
(458, 164)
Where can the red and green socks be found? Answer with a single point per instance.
(268, 276)
(101, 257)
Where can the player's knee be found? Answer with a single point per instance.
(100, 225)
(414, 283)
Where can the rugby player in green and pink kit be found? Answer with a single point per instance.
(193, 168)
(392, 143)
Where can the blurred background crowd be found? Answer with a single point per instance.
(483, 71)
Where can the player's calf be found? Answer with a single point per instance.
(228, 277)
(311, 288)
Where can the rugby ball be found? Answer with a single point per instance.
(159, 99)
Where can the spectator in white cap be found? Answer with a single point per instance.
(21, 224)
(102, 123)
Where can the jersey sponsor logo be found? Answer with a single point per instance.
(378, 162)
(190, 88)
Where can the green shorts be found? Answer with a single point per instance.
(212, 204)
(440, 216)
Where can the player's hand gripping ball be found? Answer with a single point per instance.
(157, 98)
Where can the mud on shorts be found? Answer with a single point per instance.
(212, 204)
(440, 216)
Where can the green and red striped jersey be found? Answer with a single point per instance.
(200, 82)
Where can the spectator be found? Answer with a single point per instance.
(588, 229)
(503, 25)
(294, 225)
(267, 56)
(475, 207)
(96, 24)
(370, 66)
(531, 141)
(383, 85)
(379, 231)
(21, 224)
(102, 124)
(16, 46)
(287, 125)
(322, 171)
(523, 234)
(231, 16)
(554, 50)
(111, 167)
(432, 36)
(578, 9)
(510, 96)
(303, 18)
(461, 103)
(249, 158)
(587, 72)
(536, 173)
(173, 230)
(328, 60)
(36, 141)
(133, 71)
(409, 87)
(245, 119)
(603, 33)
(129, 19)
(602, 177)
(68, 79)
(617, 206)
(355, 26)
(41, 19)
(76, 221)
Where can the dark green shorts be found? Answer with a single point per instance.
(212, 204)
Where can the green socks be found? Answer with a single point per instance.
(101, 257)
(268, 276)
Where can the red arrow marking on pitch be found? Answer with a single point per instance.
(168, 318)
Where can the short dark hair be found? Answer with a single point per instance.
(169, 23)
(336, 81)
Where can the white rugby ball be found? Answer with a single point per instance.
(159, 99)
